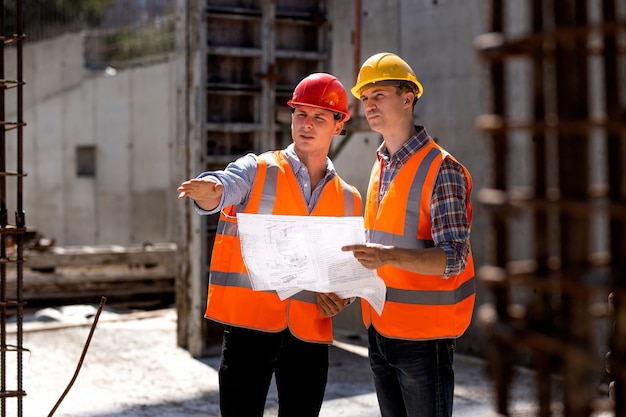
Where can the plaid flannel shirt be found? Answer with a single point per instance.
(448, 206)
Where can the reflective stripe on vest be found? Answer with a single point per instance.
(348, 199)
(408, 239)
(234, 279)
(432, 298)
(418, 307)
(231, 299)
(269, 187)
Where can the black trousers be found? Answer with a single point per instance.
(250, 358)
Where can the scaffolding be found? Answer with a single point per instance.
(561, 309)
(241, 62)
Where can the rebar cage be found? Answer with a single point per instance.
(11, 235)
(557, 203)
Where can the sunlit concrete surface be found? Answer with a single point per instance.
(133, 368)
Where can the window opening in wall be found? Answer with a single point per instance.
(86, 161)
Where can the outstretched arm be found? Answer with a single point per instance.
(205, 191)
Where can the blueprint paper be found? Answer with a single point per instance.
(293, 253)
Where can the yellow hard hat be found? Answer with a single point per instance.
(385, 66)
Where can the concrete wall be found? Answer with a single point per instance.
(128, 117)
(435, 38)
(131, 117)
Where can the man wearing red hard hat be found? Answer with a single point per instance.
(263, 335)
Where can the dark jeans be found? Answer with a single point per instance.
(249, 358)
(412, 378)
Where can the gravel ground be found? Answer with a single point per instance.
(133, 368)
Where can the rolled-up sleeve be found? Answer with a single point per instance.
(237, 179)
(450, 223)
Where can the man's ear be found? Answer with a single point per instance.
(338, 128)
(411, 98)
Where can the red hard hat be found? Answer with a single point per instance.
(324, 91)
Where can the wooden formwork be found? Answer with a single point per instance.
(127, 275)
(242, 59)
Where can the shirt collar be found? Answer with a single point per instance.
(412, 145)
(296, 164)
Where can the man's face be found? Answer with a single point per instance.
(384, 107)
(312, 129)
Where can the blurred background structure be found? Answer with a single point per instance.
(551, 289)
(109, 104)
(12, 234)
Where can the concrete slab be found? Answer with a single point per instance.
(133, 368)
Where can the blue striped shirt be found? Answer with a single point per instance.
(238, 178)
(448, 206)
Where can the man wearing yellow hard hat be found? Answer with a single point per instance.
(418, 218)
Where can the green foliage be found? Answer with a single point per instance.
(89, 11)
(128, 39)
(42, 17)
(137, 44)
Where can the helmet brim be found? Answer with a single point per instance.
(359, 88)
(291, 103)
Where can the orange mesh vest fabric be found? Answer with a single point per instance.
(231, 299)
(418, 307)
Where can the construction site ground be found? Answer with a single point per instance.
(132, 367)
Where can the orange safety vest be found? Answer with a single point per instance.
(418, 306)
(231, 299)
